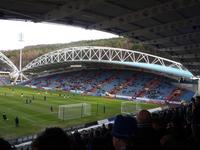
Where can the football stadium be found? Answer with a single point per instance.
(101, 97)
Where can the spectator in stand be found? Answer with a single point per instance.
(123, 132)
(52, 139)
(175, 136)
(97, 143)
(78, 141)
(194, 141)
(158, 125)
(146, 135)
(108, 138)
(4, 145)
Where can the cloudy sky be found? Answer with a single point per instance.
(43, 33)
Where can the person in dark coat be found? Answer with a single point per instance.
(146, 135)
(123, 132)
(52, 139)
(194, 143)
(16, 122)
(5, 145)
(4, 116)
(51, 108)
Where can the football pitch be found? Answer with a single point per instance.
(38, 109)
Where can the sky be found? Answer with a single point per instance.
(43, 33)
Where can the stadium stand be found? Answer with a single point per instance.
(3, 68)
(116, 82)
(4, 80)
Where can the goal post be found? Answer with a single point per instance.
(130, 107)
(73, 111)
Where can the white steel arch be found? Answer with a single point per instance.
(100, 54)
(6, 60)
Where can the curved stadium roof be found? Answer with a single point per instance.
(6, 65)
(169, 26)
(106, 55)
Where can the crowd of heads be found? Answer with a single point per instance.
(172, 128)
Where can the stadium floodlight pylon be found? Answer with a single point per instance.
(130, 107)
(74, 111)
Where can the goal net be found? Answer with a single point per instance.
(73, 111)
(130, 107)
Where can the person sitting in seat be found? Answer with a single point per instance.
(4, 145)
(52, 139)
(123, 132)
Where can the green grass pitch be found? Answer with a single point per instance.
(37, 115)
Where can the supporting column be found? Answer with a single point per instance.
(198, 87)
(20, 65)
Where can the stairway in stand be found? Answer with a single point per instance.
(96, 75)
(150, 85)
(102, 83)
(123, 85)
(175, 94)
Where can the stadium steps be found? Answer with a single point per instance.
(93, 89)
(187, 95)
(122, 85)
(150, 85)
(175, 94)
(96, 75)
(102, 83)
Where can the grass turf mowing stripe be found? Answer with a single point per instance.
(36, 116)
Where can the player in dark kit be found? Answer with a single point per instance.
(16, 122)
(4, 116)
(51, 108)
